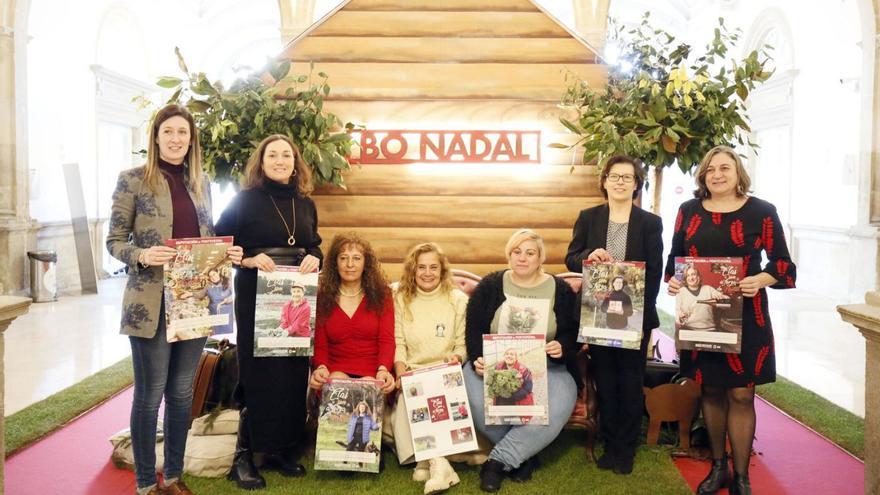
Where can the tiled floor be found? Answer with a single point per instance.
(58, 344)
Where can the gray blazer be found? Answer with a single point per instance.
(140, 219)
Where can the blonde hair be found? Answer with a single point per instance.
(743, 180)
(192, 161)
(254, 176)
(407, 287)
(521, 236)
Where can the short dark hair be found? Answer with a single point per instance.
(638, 171)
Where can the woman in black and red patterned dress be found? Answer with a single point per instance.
(724, 221)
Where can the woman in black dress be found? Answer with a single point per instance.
(620, 231)
(276, 223)
(723, 221)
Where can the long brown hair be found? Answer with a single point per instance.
(373, 281)
(254, 176)
(407, 287)
(192, 162)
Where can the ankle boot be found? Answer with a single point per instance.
(442, 476)
(740, 485)
(289, 465)
(717, 478)
(491, 476)
(243, 471)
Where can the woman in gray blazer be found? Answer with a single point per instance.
(167, 198)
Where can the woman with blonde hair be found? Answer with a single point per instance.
(167, 198)
(516, 447)
(429, 314)
(276, 222)
(723, 220)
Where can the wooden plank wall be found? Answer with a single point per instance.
(455, 64)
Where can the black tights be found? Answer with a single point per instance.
(730, 412)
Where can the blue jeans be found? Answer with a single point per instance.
(516, 444)
(161, 369)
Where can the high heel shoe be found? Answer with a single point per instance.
(740, 485)
(717, 478)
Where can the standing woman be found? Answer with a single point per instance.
(620, 231)
(429, 313)
(724, 221)
(354, 329)
(516, 447)
(276, 223)
(164, 199)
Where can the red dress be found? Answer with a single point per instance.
(357, 345)
(745, 233)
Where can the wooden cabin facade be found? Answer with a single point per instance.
(457, 66)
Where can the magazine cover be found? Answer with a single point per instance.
(284, 318)
(438, 411)
(708, 308)
(523, 315)
(350, 426)
(198, 288)
(515, 379)
(613, 304)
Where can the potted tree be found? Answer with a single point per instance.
(233, 121)
(665, 104)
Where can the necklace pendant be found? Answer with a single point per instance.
(291, 241)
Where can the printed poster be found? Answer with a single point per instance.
(438, 410)
(613, 304)
(515, 379)
(198, 288)
(708, 307)
(350, 426)
(284, 317)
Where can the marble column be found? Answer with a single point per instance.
(866, 317)
(10, 309)
(17, 230)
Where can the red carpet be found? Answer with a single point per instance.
(76, 459)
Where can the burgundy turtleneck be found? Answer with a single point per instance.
(185, 221)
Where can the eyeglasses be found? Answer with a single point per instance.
(627, 178)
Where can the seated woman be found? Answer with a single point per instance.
(695, 307)
(428, 328)
(516, 446)
(296, 313)
(354, 328)
(523, 395)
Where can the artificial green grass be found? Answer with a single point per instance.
(564, 470)
(38, 420)
(839, 425)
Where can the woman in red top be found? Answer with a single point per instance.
(354, 331)
(296, 313)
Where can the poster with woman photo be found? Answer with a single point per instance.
(515, 379)
(612, 304)
(436, 403)
(708, 308)
(349, 426)
(198, 293)
(284, 317)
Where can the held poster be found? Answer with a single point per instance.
(198, 288)
(438, 410)
(515, 379)
(350, 426)
(708, 307)
(284, 317)
(612, 304)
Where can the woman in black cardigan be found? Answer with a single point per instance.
(516, 447)
(620, 231)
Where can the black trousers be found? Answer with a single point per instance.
(618, 374)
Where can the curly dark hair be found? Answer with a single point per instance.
(374, 282)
